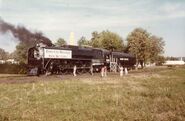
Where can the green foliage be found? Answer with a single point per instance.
(139, 44)
(21, 52)
(3, 54)
(111, 41)
(107, 40)
(23, 46)
(160, 60)
(27, 39)
(156, 48)
(83, 41)
(172, 58)
(13, 68)
(12, 55)
(60, 42)
(144, 46)
(95, 40)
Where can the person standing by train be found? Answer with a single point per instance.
(102, 71)
(105, 71)
(74, 70)
(121, 71)
(91, 70)
(126, 71)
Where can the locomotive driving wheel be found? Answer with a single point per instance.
(79, 71)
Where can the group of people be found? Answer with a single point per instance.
(103, 71)
(75, 68)
(121, 71)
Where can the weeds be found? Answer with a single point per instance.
(158, 96)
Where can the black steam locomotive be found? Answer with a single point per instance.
(61, 60)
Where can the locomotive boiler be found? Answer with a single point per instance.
(61, 60)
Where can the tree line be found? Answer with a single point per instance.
(144, 45)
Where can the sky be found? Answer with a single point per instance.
(58, 18)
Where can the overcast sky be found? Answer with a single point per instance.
(57, 18)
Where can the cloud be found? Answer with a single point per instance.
(64, 15)
(172, 7)
(8, 41)
(173, 10)
(57, 18)
(69, 15)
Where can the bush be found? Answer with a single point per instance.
(13, 68)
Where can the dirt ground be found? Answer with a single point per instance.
(19, 78)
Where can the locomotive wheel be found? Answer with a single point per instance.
(64, 71)
(70, 71)
(79, 71)
(84, 70)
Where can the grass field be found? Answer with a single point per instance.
(156, 94)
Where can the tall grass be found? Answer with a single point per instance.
(153, 96)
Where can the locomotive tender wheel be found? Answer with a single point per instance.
(84, 70)
(79, 71)
(64, 71)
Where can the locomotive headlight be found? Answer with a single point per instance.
(39, 53)
(36, 54)
(107, 60)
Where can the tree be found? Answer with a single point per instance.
(156, 48)
(145, 47)
(60, 42)
(3, 54)
(111, 41)
(139, 45)
(160, 60)
(21, 52)
(12, 55)
(172, 58)
(107, 40)
(95, 40)
(27, 39)
(83, 41)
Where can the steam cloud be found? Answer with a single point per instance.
(23, 34)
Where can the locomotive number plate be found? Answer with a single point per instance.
(125, 59)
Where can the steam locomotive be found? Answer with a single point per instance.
(61, 60)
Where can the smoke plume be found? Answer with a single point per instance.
(23, 34)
